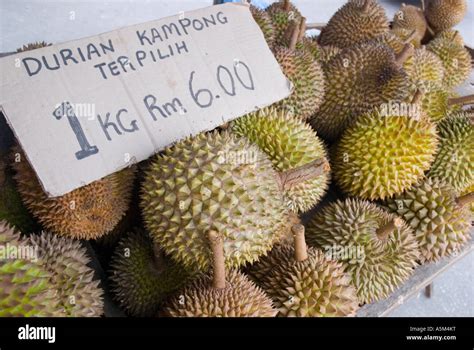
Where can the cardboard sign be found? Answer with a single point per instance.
(88, 108)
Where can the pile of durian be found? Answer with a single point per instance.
(314, 206)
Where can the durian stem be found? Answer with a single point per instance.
(286, 5)
(423, 5)
(404, 54)
(465, 200)
(301, 250)
(464, 100)
(218, 262)
(384, 231)
(293, 177)
(294, 37)
(302, 29)
(366, 6)
(315, 26)
(417, 97)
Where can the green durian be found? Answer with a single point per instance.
(385, 152)
(264, 21)
(452, 35)
(141, 276)
(66, 261)
(283, 15)
(377, 249)
(289, 143)
(220, 293)
(424, 68)
(456, 59)
(454, 162)
(26, 288)
(355, 22)
(213, 181)
(441, 222)
(303, 282)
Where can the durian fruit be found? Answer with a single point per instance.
(220, 294)
(66, 260)
(438, 103)
(385, 152)
(468, 190)
(88, 212)
(33, 46)
(355, 22)
(26, 288)
(213, 181)
(142, 276)
(424, 67)
(391, 40)
(454, 162)
(377, 249)
(264, 21)
(12, 209)
(456, 60)
(289, 143)
(452, 35)
(306, 75)
(411, 18)
(358, 79)
(303, 282)
(326, 53)
(441, 221)
(407, 36)
(283, 14)
(445, 14)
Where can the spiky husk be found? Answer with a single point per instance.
(377, 265)
(440, 225)
(424, 69)
(434, 101)
(308, 81)
(11, 207)
(327, 53)
(468, 190)
(88, 212)
(66, 260)
(358, 79)
(391, 40)
(452, 35)
(290, 143)
(445, 14)
(26, 288)
(457, 61)
(264, 21)
(33, 46)
(141, 276)
(315, 287)
(384, 154)
(411, 18)
(454, 162)
(240, 298)
(213, 181)
(311, 46)
(351, 25)
(282, 20)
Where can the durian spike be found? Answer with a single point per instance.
(366, 6)
(384, 231)
(464, 100)
(218, 262)
(417, 97)
(286, 5)
(294, 37)
(315, 26)
(293, 177)
(406, 52)
(465, 200)
(301, 250)
(423, 5)
(302, 29)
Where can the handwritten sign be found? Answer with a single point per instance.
(87, 108)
